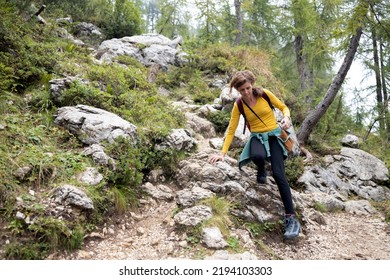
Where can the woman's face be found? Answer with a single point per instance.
(245, 90)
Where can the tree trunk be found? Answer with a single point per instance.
(378, 80)
(237, 6)
(384, 89)
(315, 115)
(301, 63)
(40, 10)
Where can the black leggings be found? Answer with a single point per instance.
(258, 156)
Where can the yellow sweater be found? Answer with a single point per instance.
(263, 110)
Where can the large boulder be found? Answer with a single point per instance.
(352, 172)
(149, 49)
(92, 125)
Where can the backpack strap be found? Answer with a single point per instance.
(266, 97)
(241, 109)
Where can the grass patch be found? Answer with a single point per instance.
(383, 207)
(221, 218)
(320, 207)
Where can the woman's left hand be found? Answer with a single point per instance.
(286, 123)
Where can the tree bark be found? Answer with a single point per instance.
(384, 89)
(315, 115)
(237, 6)
(40, 10)
(378, 80)
(301, 62)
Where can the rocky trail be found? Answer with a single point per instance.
(151, 234)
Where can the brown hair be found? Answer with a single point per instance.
(242, 77)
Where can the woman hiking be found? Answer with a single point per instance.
(263, 143)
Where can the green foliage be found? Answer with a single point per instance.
(152, 113)
(188, 82)
(259, 229)
(41, 101)
(52, 231)
(208, 31)
(223, 59)
(220, 119)
(126, 92)
(174, 77)
(123, 198)
(133, 159)
(166, 159)
(294, 169)
(200, 91)
(85, 94)
(131, 63)
(12, 60)
(120, 79)
(195, 235)
(220, 207)
(39, 234)
(31, 55)
(172, 18)
(320, 207)
(128, 171)
(26, 251)
(234, 244)
(50, 234)
(124, 21)
(26, 142)
(10, 103)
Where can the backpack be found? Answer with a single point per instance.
(240, 106)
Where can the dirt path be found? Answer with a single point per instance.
(150, 234)
(345, 236)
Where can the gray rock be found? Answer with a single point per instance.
(350, 140)
(93, 125)
(189, 197)
(179, 139)
(149, 49)
(212, 238)
(360, 207)
(200, 125)
(99, 156)
(90, 176)
(159, 191)
(71, 195)
(22, 172)
(193, 216)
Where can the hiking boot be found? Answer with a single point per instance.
(261, 177)
(292, 227)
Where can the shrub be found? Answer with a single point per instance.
(128, 171)
(294, 169)
(220, 119)
(85, 94)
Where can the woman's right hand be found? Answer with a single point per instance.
(216, 158)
